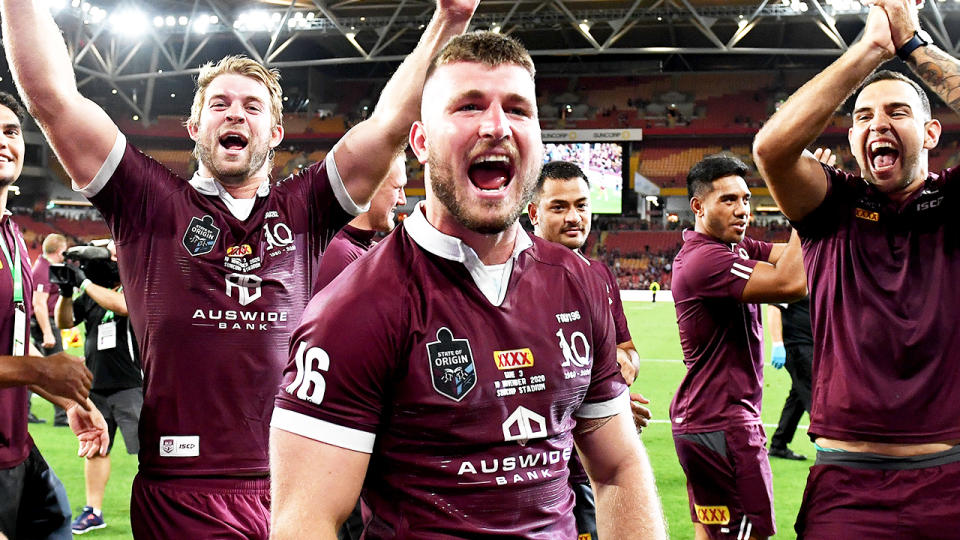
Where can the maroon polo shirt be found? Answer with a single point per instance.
(721, 336)
(884, 302)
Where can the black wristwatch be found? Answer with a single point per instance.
(915, 42)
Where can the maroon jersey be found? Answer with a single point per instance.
(15, 442)
(721, 336)
(347, 246)
(41, 282)
(883, 306)
(613, 296)
(213, 299)
(466, 398)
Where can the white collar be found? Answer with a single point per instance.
(454, 249)
(240, 208)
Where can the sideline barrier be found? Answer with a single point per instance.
(645, 296)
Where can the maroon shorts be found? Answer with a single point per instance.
(858, 495)
(220, 507)
(729, 482)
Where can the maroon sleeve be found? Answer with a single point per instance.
(714, 271)
(313, 188)
(606, 383)
(131, 199)
(340, 253)
(758, 250)
(326, 394)
(616, 308)
(41, 277)
(826, 218)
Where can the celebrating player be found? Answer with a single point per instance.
(719, 277)
(881, 255)
(216, 270)
(454, 365)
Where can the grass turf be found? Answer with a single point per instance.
(654, 330)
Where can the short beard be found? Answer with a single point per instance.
(442, 184)
(205, 155)
(7, 181)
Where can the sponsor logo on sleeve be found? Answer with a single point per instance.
(201, 236)
(452, 370)
(712, 515)
(179, 446)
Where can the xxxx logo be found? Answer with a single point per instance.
(513, 359)
(712, 515)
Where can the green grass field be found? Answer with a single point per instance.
(654, 331)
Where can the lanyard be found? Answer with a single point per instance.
(109, 315)
(15, 270)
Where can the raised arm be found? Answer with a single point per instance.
(794, 176)
(79, 131)
(616, 461)
(367, 151)
(780, 282)
(312, 505)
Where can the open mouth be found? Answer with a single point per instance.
(491, 173)
(883, 155)
(233, 141)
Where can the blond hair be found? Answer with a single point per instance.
(54, 242)
(240, 65)
(487, 48)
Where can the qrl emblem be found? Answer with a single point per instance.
(167, 446)
(201, 236)
(452, 370)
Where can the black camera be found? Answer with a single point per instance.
(85, 262)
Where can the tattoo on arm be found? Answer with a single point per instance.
(940, 71)
(589, 425)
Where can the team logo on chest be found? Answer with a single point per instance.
(201, 236)
(452, 370)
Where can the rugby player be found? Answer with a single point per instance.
(880, 251)
(719, 278)
(351, 243)
(33, 502)
(560, 213)
(43, 328)
(217, 269)
(357, 237)
(455, 364)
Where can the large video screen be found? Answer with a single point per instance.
(602, 162)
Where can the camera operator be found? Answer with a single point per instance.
(111, 354)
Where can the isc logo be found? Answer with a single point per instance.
(516, 358)
(712, 515)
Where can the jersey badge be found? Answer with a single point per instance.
(201, 236)
(239, 259)
(712, 515)
(452, 370)
(516, 358)
(867, 214)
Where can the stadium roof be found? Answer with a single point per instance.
(144, 51)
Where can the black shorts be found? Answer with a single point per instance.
(33, 503)
(121, 409)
